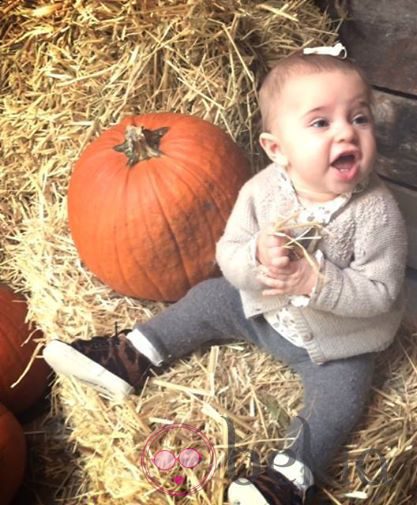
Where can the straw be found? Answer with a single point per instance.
(69, 70)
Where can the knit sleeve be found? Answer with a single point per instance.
(372, 282)
(235, 249)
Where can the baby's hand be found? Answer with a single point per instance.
(296, 278)
(270, 250)
(278, 273)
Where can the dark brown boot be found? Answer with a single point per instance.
(111, 365)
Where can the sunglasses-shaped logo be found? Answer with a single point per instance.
(165, 460)
(178, 460)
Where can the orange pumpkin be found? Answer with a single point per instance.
(12, 455)
(16, 349)
(149, 199)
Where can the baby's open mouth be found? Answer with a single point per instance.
(344, 162)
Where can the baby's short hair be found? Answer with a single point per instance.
(299, 63)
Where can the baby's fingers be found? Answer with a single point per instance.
(271, 292)
(280, 268)
(280, 262)
(277, 239)
(278, 286)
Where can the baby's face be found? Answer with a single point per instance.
(324, 130)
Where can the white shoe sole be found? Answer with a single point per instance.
(66, 360)
(243, 492)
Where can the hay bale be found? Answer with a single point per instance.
(71, 69)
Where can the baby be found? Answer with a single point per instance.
(313, 260)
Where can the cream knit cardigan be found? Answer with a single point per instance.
(358, 305)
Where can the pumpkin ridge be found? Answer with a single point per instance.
(24, 328)
(180, 167)
(120, 230)
(159, 201)
(147, 273)
(207, 188)
(74, 218)
(203, 178)
(127, 234)
(14, 302)
(13, 455)
(104, 215)
(14, 357)
(183, 256)
(5, 331)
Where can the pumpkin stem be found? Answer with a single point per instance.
(141, 144)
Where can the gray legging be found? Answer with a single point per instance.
(335, 393)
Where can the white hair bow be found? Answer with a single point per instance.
(338, 50)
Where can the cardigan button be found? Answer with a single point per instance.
(308, 337)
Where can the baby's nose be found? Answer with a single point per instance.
(345, 132)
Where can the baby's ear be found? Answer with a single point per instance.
(272, 148)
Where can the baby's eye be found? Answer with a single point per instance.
(319, 123)
(361, 119)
